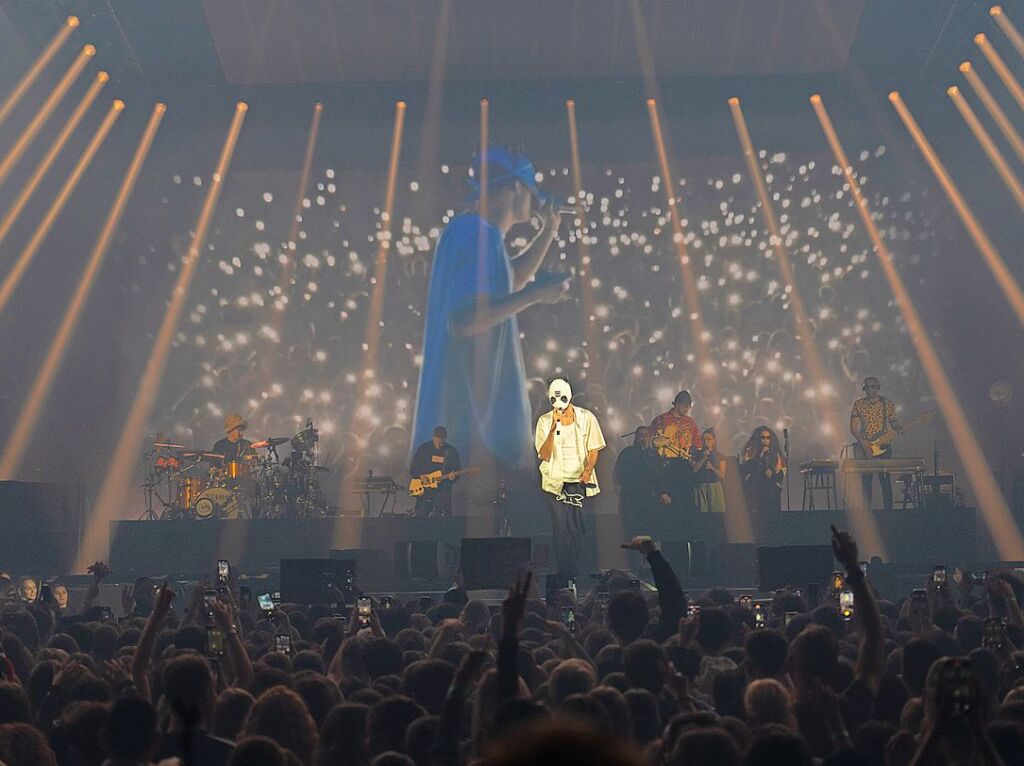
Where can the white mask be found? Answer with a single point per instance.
(559, 394)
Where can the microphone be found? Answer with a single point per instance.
(560, 205)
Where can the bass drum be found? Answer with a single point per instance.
(217, 503)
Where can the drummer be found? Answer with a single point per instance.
(233, 447)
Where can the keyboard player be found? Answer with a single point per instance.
(872, 422)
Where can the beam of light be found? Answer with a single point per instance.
(996, 12)
(57, 206)
(307, 163)
(42, 61)
(18, 206)
(31, 130)
(21, 435)
(738, 524)
(1011, 83)
(118, 481)
(1005, 533)
(861, 519)
(993, 259)
(591, 324)
(644, 53)
(371, 338)
(994, 155)
(998, 115)
(429, 152)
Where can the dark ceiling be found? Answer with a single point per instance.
(195, 44)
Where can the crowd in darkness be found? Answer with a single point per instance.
(632, 678)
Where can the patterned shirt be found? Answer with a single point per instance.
(680, 433)
(875, 417)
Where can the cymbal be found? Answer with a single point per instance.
(204, 455)
(165, 445)
(272, 441)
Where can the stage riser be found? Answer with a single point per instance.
(193, 547)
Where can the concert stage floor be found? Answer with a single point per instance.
(192, 547)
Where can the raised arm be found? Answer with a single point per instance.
(143, 655)
(671, 598)
(529, 259)
(870, 656)
(234, 650)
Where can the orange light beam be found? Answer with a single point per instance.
(590, 320)
(57, 206)
(991, 150)
(993, 259)
(48, 159)
(371, 337)
(864, 525)
(996, 12)
(428, 154)
(998, 115)
(1011, 83)
(1005, 533)
(738, 524)
(41, 62)
(371, 348)
(21, 435)
(700, 337)
(307, 163)
(31, 130)
(117, 482)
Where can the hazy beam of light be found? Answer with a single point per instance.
(998, 115)
(41, 62)
(51, 154)
(1005, 533)
(428, 155)
(1002, 70)
(996, 12)
(21, 435)
(57, 206)
(31, 130)
(371, 338)
(590, 320)
(307, 163)
(738, 525)
(991, 150)
(862, 521)
(993, 259)
(118, 481)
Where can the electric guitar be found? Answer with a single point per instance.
(880, 445)
(431, 480)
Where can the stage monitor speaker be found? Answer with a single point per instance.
(306, 581)
(418, 560)
(797, 565)
(374, 571)
(688, 558)
(735, 566)
(493, 562)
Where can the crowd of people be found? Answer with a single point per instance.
(614, 676)
(285, 354)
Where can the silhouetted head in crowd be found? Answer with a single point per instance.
(627, 616)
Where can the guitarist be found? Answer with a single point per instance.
(435, 455)
(873, 416)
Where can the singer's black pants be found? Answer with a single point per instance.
(567, 530)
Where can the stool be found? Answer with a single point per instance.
(820, 476)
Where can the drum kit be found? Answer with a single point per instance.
(182, 483)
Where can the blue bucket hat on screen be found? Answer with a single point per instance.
(503, 164)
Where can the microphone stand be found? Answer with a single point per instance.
(785, 450)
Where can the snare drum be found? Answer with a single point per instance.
(236, 469)
(217, 503)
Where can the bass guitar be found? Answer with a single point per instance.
(432, 480)
(880, 445)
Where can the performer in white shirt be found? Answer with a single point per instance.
(567, 439)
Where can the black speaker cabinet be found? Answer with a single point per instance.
(492, 563)
(794, 565)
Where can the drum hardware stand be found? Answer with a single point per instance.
(785, 449)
